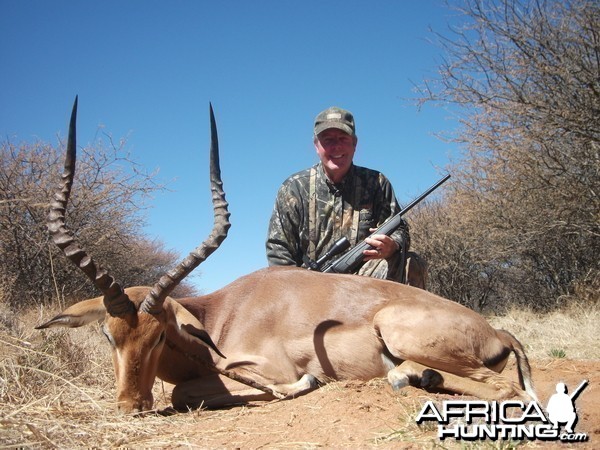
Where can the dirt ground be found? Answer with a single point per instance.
(371, 415)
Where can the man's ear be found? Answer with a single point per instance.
(315, 141)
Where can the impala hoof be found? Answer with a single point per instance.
(397, 381)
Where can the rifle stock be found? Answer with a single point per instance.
(353, 258)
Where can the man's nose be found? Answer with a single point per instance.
(334, 143)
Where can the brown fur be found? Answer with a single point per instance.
(279, 324)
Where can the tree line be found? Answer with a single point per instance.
(105, 214)
(519, 223)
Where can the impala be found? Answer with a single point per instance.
(279, 332)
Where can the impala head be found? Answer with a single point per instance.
(136, 320)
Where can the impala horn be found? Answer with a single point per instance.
(154, 300)
(115, 300)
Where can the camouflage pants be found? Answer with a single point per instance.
(389, 269)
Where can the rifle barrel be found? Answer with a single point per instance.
(425, 194)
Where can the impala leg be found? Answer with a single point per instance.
(413, 374)
(216, 391)
(483, 383)
(303, 386)
(478, 382)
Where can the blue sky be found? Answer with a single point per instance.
(146, 70)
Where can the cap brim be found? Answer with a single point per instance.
(328, 125)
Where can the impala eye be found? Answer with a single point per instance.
(161, 338)
(108, 336)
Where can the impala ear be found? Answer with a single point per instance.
(203, 336)
(190, 328)
(77, 315)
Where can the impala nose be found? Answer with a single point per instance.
(129, 406)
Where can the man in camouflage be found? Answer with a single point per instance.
(317, 206)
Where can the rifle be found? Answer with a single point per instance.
(354, 258)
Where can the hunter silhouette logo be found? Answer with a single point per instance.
(472, 420)
(561, 406)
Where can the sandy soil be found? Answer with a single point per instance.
(359, 415)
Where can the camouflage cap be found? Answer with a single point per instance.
(335, 117)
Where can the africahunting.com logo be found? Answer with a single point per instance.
(472, 420)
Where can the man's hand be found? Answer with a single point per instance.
(383, 246)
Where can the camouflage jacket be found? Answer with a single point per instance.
(300, 226)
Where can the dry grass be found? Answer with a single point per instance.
(57, 387)
(568, 333)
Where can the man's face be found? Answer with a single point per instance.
(336, 151)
